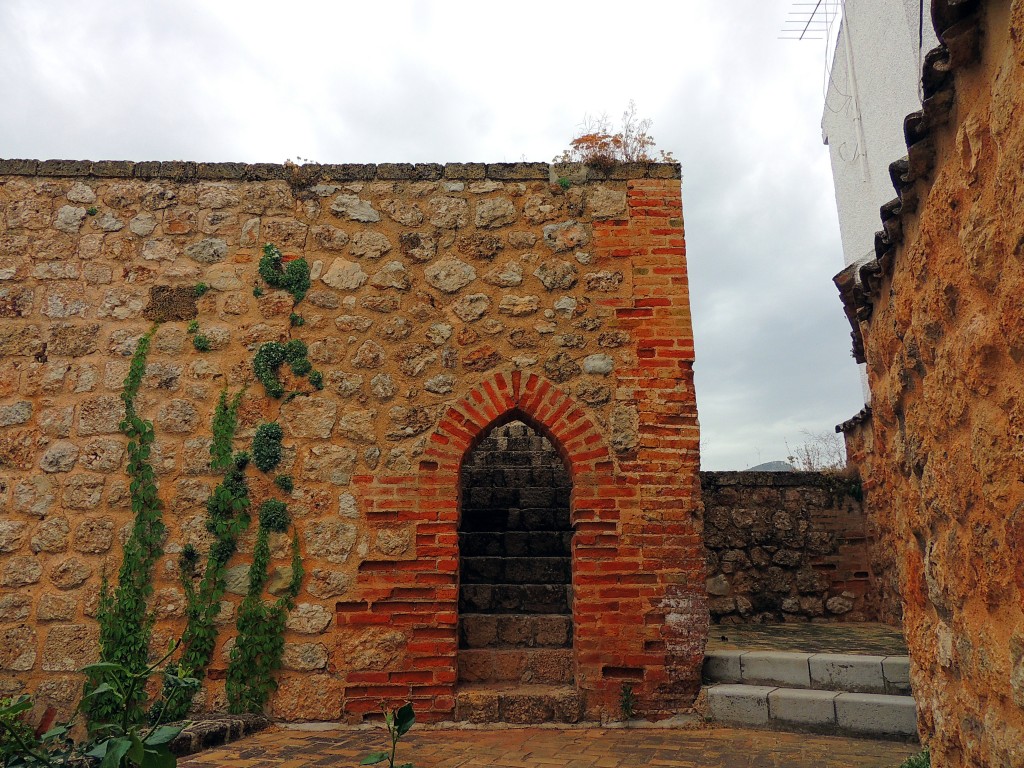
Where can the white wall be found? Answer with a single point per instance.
(865, 105)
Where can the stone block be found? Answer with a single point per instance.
(739, 704)
(847, 672)
(792, 706)
(723, 666)
(876, 714)
(896, 671)
(776, 668)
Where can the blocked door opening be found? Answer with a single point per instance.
(515, 601)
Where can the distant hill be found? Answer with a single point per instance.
(773, 466)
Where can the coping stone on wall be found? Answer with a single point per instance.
(187, 171)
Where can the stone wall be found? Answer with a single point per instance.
(445, 299)
(786, 546)
(942, 322)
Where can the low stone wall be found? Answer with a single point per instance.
(786, 546)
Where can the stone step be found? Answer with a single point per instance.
(516, 544)
(874, 715)
(519, 490)
(516, 570)
(516, 665)
(842, 672)
(518, 704)
(516, 518)
(496, 630)
(515, 598)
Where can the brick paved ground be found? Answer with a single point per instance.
(552, 748)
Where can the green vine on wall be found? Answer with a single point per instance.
(272, 355)
(124, 619)
(291, 276)
(259, 644)
(227, 517)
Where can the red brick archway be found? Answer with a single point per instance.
(634, 572)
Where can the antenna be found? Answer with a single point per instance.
(810, 20)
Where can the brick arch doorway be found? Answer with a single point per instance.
(515, 596)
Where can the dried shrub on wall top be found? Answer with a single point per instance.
(596, 145)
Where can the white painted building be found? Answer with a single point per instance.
(874, 83)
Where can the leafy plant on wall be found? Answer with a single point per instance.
(600, 145)
(126, 622)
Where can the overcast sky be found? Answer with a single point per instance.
(425, 81)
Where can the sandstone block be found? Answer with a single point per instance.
(353, 208)
(358, 425)
(324, 583)
(17, 649)
(372, 649)
(15, 413)
(450, 275)
(566, 236)
(333, 464)
(51, 535)
(369, 245)
(392, 275)
(495, 212)
(448, 212)
(59, 457)
(12, 535)
(472, 307)
(100, 415)
(304, 657)
(556, 274)
(69, 647)
(417, 246)
(34, 496)
(208, 251)
(83, 491)
(94, 535)
(20, 571)
(330, 540)
(309, 417)
(69, 219)
(53, 607)
(69, 573)
(309, 619)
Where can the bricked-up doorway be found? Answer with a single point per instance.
(515, 594)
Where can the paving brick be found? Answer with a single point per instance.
(544, 748)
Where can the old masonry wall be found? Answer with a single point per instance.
(444, 300)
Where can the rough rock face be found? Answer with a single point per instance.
(433, 289)
(941, 452)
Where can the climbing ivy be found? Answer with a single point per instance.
(227, 517)
(259, 645)
(292, 276)
(272, 355)
(266, 446)
(125, 622)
